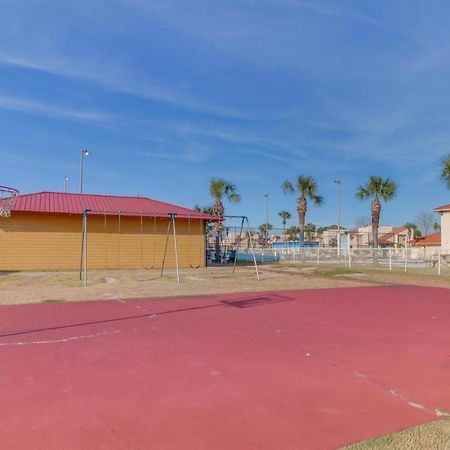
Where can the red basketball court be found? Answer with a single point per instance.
(277, 370)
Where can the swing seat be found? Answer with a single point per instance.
(230, 257)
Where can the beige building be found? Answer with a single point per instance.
(388, 236)
(444, 212)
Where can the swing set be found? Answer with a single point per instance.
(171, 231)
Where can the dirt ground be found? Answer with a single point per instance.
(35, 287)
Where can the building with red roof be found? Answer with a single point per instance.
(388, 236)
(444, 212)
(45, 232)
(432, 240)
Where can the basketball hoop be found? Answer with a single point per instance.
(8, 198)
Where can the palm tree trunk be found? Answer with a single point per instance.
(376, 210)
(219, 211)
(302, 207)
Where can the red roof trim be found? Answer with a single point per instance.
(70, 203)
(442, 208)
(432, 239)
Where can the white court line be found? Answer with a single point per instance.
(57, 341)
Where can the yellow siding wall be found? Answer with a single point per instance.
(40, 242)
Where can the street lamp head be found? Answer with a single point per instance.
(337, 181)
(85, 152)
(66, 178)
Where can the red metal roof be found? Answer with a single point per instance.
(68, 203)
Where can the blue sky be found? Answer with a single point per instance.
(167, 94)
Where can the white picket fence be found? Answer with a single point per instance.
(432, 258)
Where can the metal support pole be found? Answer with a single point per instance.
(267, 220)
(318, 255)
(84, 153)
(252, 247)
(240, 235)
(85, 250)
(439, 263)
(81, 171)
(165, 247)
(338, 240)
(349, 250)
(173, 219)
(82, 246)
(390, 259)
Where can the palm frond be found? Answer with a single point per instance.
(363, 192)
(376, 186)
(287, 187)
(318, 200)
(307, 186)
(445, 169)
(388, 189)
(234, 198)
(217, 188)
(285, 214)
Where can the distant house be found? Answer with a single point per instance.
(444, 211)
(388, 236)
(432, 240)
(329, 237)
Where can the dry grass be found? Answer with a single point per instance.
(430, 436)
(32, 287)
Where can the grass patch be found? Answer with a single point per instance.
(289, 265)
(53, 300)
(339, 271)
(434, 435)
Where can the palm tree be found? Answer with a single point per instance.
(264, 231)
(445, 169)
(204, 209)
(310, 229)
(293, 232)
(285, 216)
(377, 188)
(220, 188)
(413, 229)
(307, 189)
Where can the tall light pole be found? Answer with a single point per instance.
(66, 181)
(267, 218)
(338, 188)
(84, 153)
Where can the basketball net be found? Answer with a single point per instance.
(8, 198)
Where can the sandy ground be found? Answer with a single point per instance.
(35, 287)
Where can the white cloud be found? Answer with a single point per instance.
(45, 109)
(119, 81)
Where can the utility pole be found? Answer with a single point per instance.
(66, 182)
(338, 187)
(267, 218)
(84, 153)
